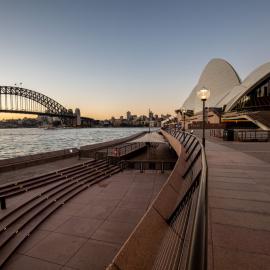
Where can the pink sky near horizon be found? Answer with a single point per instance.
(110, 57)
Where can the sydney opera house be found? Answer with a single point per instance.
(232, 101)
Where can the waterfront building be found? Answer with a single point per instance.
(137, 121)
(232, 100)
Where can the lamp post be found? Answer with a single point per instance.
(149, 120)
(203, 94)
(184, 120)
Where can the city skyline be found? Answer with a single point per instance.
(16, 116)
(107, 58)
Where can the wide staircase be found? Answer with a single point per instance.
(54, 190)
(262, 119)
(259, 118)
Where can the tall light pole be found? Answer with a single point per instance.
(184, 120)
(149, 119)
(203, 94)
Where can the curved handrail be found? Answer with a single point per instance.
(197, 258)
(178, 216)
(197, 253)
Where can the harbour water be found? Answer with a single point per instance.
(27, 141)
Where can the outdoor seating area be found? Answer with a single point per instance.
(19, 220)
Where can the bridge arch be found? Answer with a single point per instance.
(21, 100)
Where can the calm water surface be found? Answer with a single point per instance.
(25, 141)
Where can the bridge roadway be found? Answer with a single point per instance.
(239, 205)
(14, 99)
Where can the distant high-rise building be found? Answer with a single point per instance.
(151, 115)
(78, 116)
(129, 116)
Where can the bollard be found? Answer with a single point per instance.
(3, 203)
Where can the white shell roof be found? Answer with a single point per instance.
(258, 74)
(224, 84)
(219, 77)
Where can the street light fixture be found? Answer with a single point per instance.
(203, 94)
(184, 119)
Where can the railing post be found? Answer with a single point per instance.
(3, 203)
(141, 168)
(121, 165)
(162, 167)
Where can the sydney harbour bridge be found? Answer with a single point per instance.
(15, 99)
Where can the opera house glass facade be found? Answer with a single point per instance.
(229, 92)
(258, 98)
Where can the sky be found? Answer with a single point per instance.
(110, 56)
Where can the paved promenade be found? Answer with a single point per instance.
(239, 207)
(87, 232)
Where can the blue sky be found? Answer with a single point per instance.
(107, 57)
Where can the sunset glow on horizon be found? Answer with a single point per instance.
(110, 57)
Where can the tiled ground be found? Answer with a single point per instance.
(87, 232)
(32, 171)
(259, 150)
(239, 208)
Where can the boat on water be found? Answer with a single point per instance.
(50, 128)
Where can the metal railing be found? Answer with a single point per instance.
(251, 135)
(143, 165)
(119, 151)
(123, 150)
(244, 135)
(185, 243)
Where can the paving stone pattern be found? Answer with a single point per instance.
(87, 232)
(239, 209)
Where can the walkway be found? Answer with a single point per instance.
(239, 209)
(87, 232)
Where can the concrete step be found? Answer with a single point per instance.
(42, 181)
(52, 190)
(31, 218)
